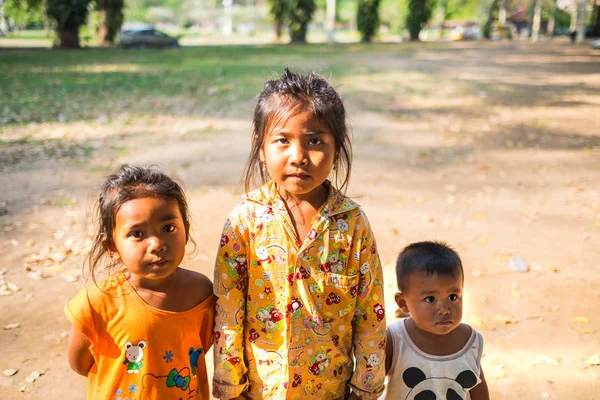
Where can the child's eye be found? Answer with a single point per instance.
(169, 228)
(314, 142)
(136, 234)
(281, 141)
(429, 299)
(453, 297)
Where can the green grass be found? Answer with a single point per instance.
(66, 86)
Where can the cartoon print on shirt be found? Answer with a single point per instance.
(437, 388)
(133, 356)
(236, 264)
(294, 308)
(264, 257)
(319, 361)
(270, 318)
(194, 356)
(177, 380)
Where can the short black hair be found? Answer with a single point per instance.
(428, 258)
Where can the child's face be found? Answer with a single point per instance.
(299, 155)
(149, 237)
(433, 301)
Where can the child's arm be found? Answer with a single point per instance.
(389, 351)
(369, 329)
(229, 363)
(480, 392)
(78, 352)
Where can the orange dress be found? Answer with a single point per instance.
(141, 352)
(298, 320)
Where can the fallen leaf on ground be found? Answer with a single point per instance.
(582, 320)
(10, 372)
(53, 269)
(11, 326)
(594, 360)
(587, 331)
(478, 323)
(547, 359)
(553, 268)
(500, 373)
(516, 294)
(504, 319)
(30, 243)
(33, 376)
(502, 258)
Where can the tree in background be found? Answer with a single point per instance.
(419, 12)
(279, 10)
(367, 18)
(68, 16)
(299, 15)
(110, 15)
(23, 13)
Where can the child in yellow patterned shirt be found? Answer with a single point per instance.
(299, 283)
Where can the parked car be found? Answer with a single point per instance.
(592, 31)
(596, 44)
(148, 37)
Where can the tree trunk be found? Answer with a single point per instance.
(278, 27)
(440, 17)
(580, 36)
(105, 34)
(502, 12)
(552, 20)
(537, 17)
(68, 37)
(2, 23)
(299, 35)
(330, 20)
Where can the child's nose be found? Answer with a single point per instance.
(298, 154)
(444, 309)
(156, 244)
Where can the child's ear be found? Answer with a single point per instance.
(401, 301)
(110, 250)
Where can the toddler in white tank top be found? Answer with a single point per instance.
(432, 355)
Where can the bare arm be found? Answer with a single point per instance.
(480, 392)
(78, 352)
(389, 351)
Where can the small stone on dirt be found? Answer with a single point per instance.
(517, 264)
(10, 372)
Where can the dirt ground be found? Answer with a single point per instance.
(494, 148)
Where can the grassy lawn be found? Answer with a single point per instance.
(43, 86)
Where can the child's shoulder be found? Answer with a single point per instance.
(115, 284)
(197, 284)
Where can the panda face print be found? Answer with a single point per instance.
(423, 388)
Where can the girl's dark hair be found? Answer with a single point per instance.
(428, 258)
(130, 183)
(294, 93)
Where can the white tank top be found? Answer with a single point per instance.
(416, 375)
